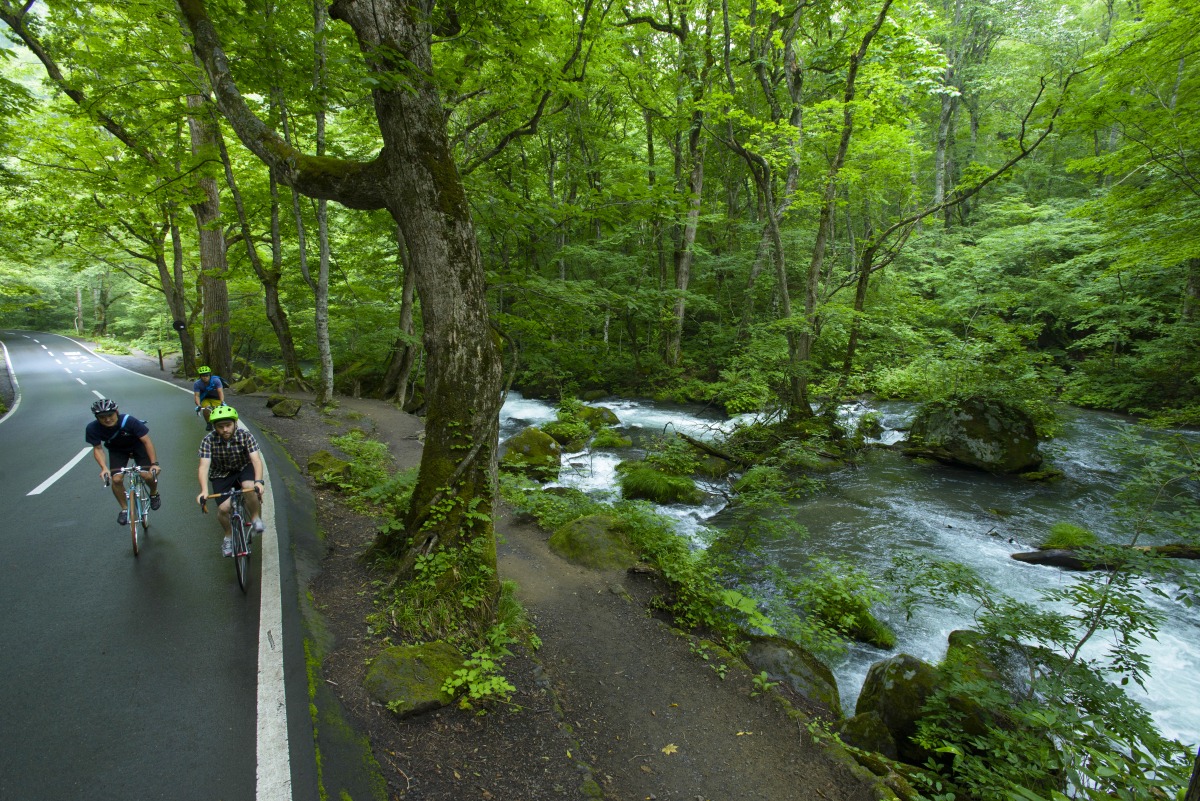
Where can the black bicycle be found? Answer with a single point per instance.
(241, 530)
(137, 501)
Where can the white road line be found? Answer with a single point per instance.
(81, 381)
(274, 758)
(12, 373)
(46, 484)
(274, 771)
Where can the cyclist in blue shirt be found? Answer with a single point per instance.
(208, 391)
(125, 437)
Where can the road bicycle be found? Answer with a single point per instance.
(137, 501)
(241, 530)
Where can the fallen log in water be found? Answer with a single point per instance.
(1069, 559)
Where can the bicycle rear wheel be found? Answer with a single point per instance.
(241, 552)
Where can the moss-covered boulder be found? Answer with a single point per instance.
(595, 541)
(975, 432)
(273, 400)
(786, 661)
(896, 689)
(408, 679)
(598, 417)
(572, 435)
(868, 732)
(533, 453)
(325, 468)
(288, 407)
(643, 481)
(246, 386)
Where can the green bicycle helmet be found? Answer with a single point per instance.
(204, 370)
(222, 412)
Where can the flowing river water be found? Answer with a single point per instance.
(889, 504)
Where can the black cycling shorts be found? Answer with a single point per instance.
(118, 459)
(236, 480)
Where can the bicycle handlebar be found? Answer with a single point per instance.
(152, 470)
(229, 493)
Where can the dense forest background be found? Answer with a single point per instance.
(758, 205)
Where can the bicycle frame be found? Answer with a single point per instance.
(137, 501)
(240, 530)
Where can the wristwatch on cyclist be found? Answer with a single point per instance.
(259, 481)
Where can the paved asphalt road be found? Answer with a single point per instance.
(130, 678)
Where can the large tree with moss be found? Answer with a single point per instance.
(415, 179)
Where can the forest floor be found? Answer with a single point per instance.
(615, 704)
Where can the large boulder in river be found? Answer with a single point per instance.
(786, 661)
(976, 432)
(534, 453)
(897, 689)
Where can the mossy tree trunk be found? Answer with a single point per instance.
(414, 177)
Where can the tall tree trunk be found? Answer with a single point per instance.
(321, 290)
(685, 255)
(414, 177)
(802, 407)
(215, 343)
(945, 121)
(173, 287)
(1191, 292)
(276, 314)
(404, 351)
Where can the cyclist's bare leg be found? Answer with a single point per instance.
(223, 517)
(250, 499)
(118, 488)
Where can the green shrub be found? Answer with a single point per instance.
(1068, 535)
(673, 456)
(553, 508)
(761, 478)
(369, 459)
(609, 438)
(839, 597)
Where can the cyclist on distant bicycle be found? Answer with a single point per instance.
(229, 456)
(208, 391)
(126, 437)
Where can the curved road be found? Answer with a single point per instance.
(133, 678)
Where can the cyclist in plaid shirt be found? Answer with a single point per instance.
(229, 456)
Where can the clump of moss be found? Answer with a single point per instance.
(1068, 535)
(643, 481)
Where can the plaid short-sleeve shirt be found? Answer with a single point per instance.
(228, 456)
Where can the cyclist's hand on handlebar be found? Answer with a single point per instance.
(106, 477)
(154, 471)
(202, 499)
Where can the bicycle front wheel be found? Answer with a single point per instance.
(144, 508)
(135, 513)
(241, 553)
